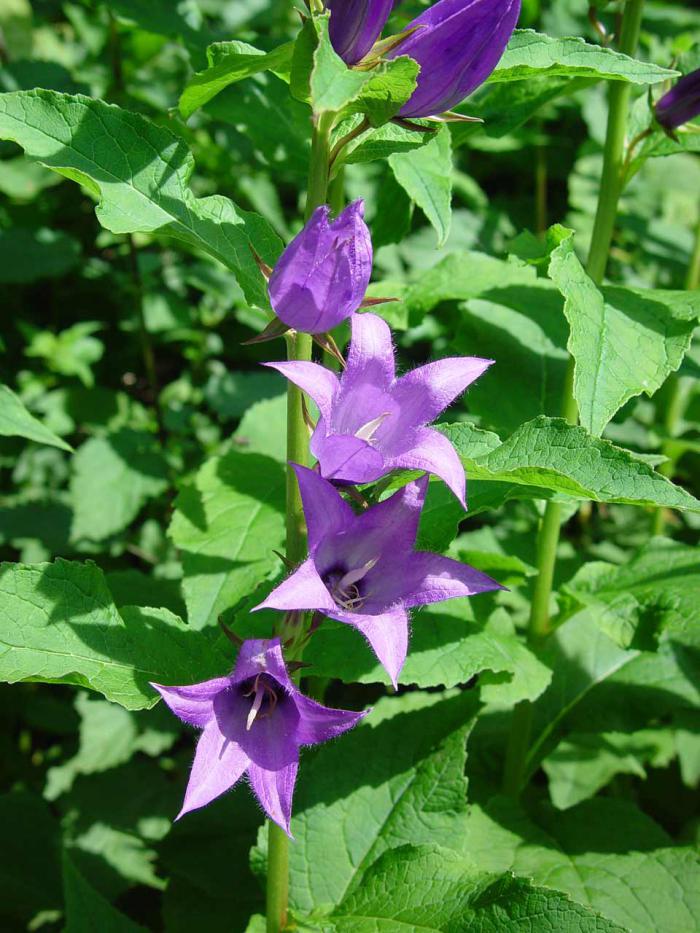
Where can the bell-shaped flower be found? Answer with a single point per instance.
(321, 277)
(457, 44)
(371, 422)
(362, 569)
(253, 722)
(355, 26)
(681, 104)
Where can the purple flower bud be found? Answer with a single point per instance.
(322, 276)
(253, 722)
(681, 104)
(457, 45)
(355, 26)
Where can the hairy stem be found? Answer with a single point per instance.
(550, 527)
(676, 396)
(298, 348)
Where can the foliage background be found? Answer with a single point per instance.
(164, 467)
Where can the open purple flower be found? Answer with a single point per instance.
(355, 26)
(253, 722)
(457, 45)
(371, 422)
(681, 104)
(362, 569)
(322, 276)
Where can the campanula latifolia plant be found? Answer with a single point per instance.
(348, 453)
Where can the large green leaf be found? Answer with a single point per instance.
(435, 890)
(128, 463)
(227, 525)
(16, 421)
(531, 55)
(59, 624)
(426, 176)
(139, 173)
(87, 910)
(605, 854)
(624, 341)
(553, 458)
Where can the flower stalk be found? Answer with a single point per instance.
(611, 185)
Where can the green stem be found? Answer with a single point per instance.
(550, 527)
(677, 396)
(298, 348)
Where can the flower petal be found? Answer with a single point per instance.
(319, 383)
(304, 589)
(325, 510)
(387, 634)
(319, 723)
(425, 392)
(389, 528)
(218, 764)
(371, 354)
(274, 790)
(432, 452)
(193, 703)
(347, 459)
(436, 578)
(258, 656)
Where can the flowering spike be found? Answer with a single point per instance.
(371, 422)
(322, 276)
(457, 50)
(362, 569)
(253, 722)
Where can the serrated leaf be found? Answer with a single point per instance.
(227, 525)
(333, 86)
(16, 421)
(59, 624)
(426, 176)
(131, 465)
(382, 142)
(230, 62)
(624, 341)
(563, 459)
(139, 173)
(531, 54)
(390, 86)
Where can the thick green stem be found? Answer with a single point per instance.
(676, 395)
(550, 527)
(298, 348)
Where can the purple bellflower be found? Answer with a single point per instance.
(681, 104)
(362, 569)
(457, 44)
(355, 26)
(371, 422)
(321, 277)
(253, 722)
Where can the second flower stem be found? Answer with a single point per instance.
(550, 527)
(298, 348)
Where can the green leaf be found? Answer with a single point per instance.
(139, 173)
(390, 86)
(59, 624)
(231, 393)
(584, 763)
(624, 341)
(332, 84)
(426, 176)
(131, 465)
(450, 644)
(263, 428)
(382, 142)
(605, 854)
(411, 790)
(30, 255)
(553, 458)
(87, 910)
(531, 54)
(16, 421)
(430, 888)
(231, 62)
(226, 525)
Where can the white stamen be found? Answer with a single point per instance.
(255, 708)
(354, 576)
(366, 432)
